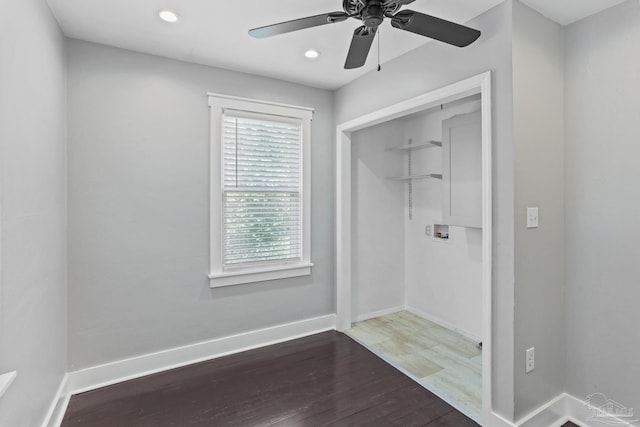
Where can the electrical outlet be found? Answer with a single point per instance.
(427, 230)
(531, 360)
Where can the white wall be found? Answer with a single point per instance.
(33, 169)
(393, 262)
(436, 65)
(378, 281)
(138, 208)
(538, 120)
(603, 205)
(443, 277)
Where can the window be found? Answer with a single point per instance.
(260, 170)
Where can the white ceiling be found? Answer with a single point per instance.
(214, 32)
(566, 12)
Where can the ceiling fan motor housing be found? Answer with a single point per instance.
(373, 14)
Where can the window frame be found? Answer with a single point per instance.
(221, 275)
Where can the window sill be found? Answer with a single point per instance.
(217, 280)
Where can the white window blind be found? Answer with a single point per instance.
(261, 189)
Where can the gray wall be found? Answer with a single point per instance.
(138, 208)
(603, 204)
(32, 162)
(435, 65)
(538, 121)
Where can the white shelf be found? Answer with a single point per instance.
(413, 147)
(413, 177)
(5, 381)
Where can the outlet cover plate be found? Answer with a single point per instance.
(530, 360)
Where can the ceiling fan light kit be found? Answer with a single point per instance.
(168, 16)
(311, 53)
(372, 13)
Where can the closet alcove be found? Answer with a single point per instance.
(416, 218)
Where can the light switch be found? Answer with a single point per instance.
(532, 217)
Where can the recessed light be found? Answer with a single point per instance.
(312, 54)
(168, 15)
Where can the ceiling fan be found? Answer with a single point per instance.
(372, 13)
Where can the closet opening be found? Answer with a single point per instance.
(414, 239)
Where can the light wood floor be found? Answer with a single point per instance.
(443, 361)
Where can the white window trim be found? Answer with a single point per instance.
(219, 275)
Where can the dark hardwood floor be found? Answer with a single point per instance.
(322, 380)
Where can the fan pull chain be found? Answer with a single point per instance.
(410, 183)
(379, 66)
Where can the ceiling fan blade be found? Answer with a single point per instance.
(435, 28)
(298, 24)
(360, 46)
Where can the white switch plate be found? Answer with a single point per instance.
(532, 217)
(531, 360)
(427, 230)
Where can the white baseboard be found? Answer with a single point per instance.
(581, 414)
(546, 415)
(561, 409)
(58, 405)
(135, 367)
(496, 420)
(549, 414)
(442, 323)
(374, 314)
